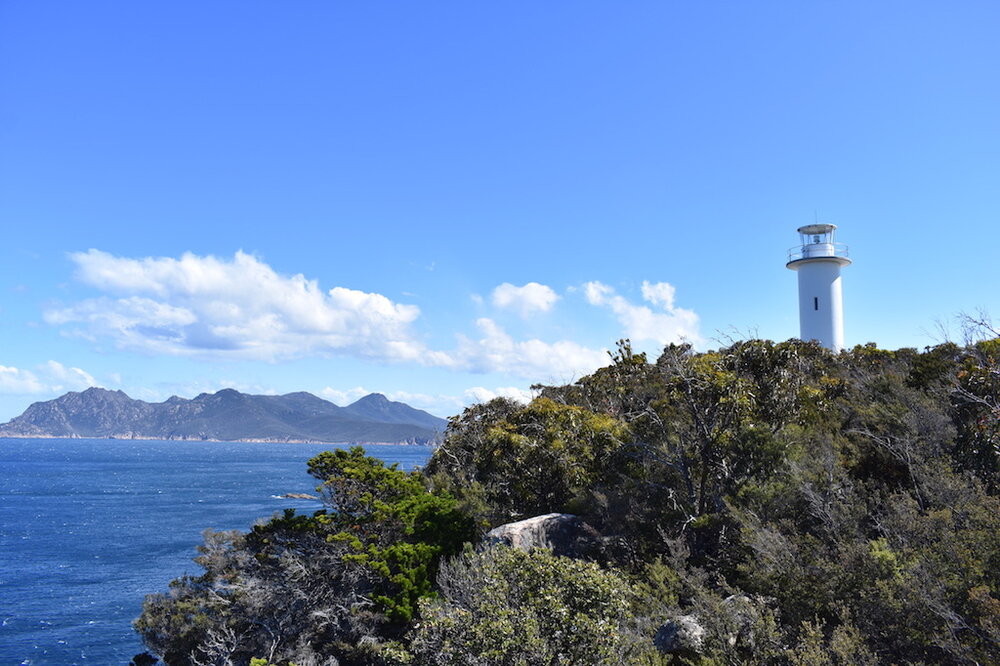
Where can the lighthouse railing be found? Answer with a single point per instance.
(818, 250)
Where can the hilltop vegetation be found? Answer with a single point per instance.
(767, 503)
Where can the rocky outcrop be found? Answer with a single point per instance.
(562, 533)
(682, 635)
(732, 621)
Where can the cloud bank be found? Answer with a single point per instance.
(241, 308)
(50, 377)
(640, 322)
(497, 351)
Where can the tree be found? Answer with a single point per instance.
(526, 461)
(391, 523)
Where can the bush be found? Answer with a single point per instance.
(506, 606)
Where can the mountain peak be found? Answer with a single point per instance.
(225, 395)
(372, 399)
(377, 407)
(98, 395)
(99, 390)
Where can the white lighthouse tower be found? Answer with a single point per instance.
(818, 261)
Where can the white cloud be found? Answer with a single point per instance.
(641, 322)
(482, 394)
(48, 378)
(345, 397)
(238, 308)
(73, 378)
(532, 297)
(659, 293)
(597, 293)
(439, 405)
(18, 381)
(533, 359)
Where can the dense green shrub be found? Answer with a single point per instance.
(504, 606)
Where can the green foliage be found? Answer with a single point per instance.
(505, 606)
(658, 587)
(391, 524)
(840, 645)
(977, 404)
(532, 460)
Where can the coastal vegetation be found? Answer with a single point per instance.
(763, 503)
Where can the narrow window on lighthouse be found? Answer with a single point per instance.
(815, 302)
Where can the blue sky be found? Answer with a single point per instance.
(446, 201)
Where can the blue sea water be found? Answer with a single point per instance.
(88, 527)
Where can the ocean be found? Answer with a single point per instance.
(89, 527)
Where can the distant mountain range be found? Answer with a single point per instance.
(227, 415)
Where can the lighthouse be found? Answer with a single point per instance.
(818, 261)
